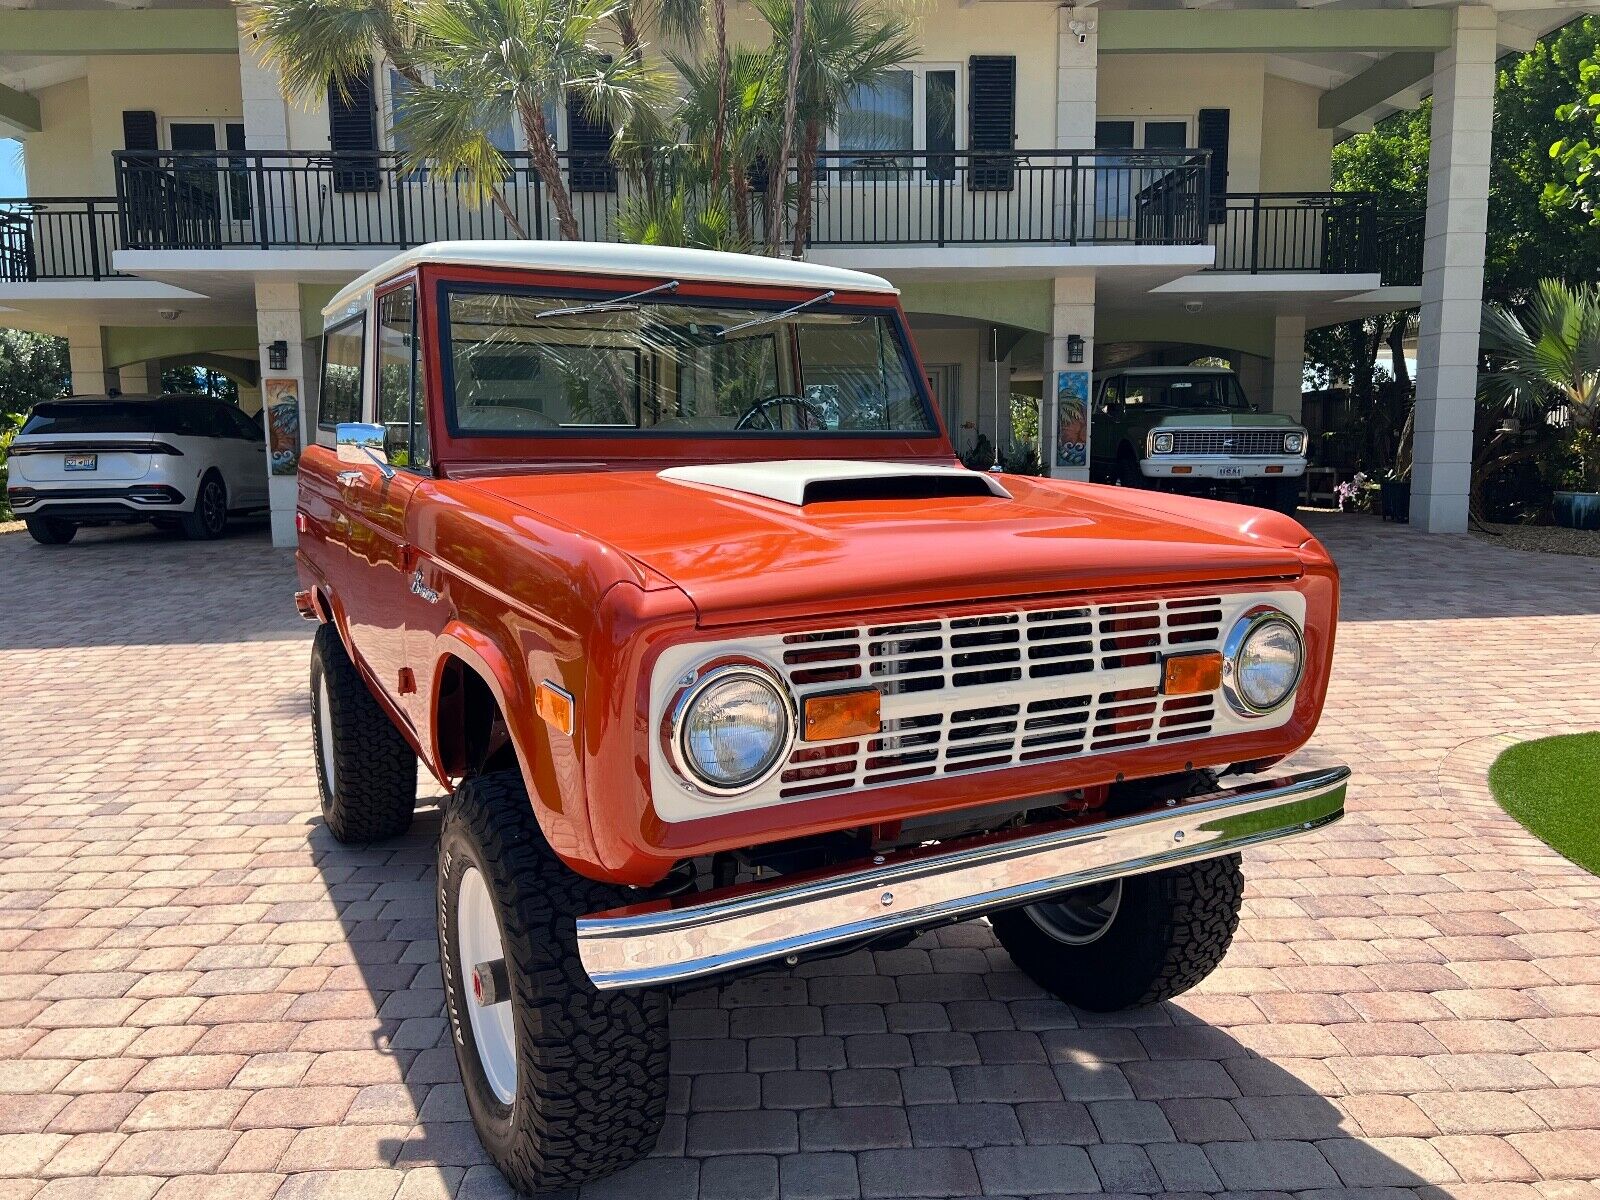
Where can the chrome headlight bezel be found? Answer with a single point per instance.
(706, 677)
(1294, 443)
(1161, 442)
(1261, 617)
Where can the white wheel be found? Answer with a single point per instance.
(325, 723)
(483, 965)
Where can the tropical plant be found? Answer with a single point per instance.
(1544, 369)
(836, 48)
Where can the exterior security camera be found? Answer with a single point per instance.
(1081, 28)
(1193, 306)
(167, 314)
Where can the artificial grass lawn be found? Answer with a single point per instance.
(1552, 786)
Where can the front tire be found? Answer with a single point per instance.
(1281, 495)
(1133, 942)
(208, 519)
(366, 771)
(565, 1083)
(51, 531)
(1128, 473)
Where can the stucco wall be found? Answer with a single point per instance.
(1296, 156)
(1180, 85)
(82, 118)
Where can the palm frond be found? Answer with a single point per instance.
(311, 42)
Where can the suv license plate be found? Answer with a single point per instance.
(1230, 472)
(82, 462)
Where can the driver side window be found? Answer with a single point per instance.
(400, 408)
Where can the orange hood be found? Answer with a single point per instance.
(741, 557)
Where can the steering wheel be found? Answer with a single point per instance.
(808, 414)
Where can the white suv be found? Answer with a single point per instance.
(180, 462)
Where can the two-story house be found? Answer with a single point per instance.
(1054, 187)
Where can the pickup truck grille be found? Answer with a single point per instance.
(1227, 441)
(1001, 689)
(982, 691)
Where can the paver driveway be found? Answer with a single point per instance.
(202, 995)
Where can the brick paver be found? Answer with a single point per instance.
(202, 996)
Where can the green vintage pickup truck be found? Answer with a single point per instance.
(1191, 429)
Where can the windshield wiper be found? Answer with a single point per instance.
(620, 304)
(768, 318)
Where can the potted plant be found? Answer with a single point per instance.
(1545, 366)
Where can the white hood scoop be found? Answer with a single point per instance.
(817, 480)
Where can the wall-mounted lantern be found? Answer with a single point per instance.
(278, 356)
(1074, 348)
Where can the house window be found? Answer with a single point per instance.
(893, 122)
(504, 135)
(1120, 181)
(211, 186)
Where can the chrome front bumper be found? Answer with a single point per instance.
(665, 941)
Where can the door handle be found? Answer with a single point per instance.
(348, 478)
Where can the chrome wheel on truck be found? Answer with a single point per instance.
(565, 1083)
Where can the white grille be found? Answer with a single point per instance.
(1227, 441)
(975, 693)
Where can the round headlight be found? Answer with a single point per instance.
(1161, 443)
(732, 729)
(1294, 443)
(1262, 661)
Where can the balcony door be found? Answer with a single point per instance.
(1123, 182)
(210, 190)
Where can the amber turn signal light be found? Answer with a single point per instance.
(841, 715)
(1189, 674)
(555, 705)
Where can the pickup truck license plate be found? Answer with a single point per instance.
(1230, 472)
(82, 462)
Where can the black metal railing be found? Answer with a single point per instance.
(271, 199)
(1330, 233)
(57, 237)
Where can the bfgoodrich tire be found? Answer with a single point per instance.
(51, 531)
(565, 1083)
(1133, 942)
(366, 772)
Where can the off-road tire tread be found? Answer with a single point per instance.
(1173, 929)
(596, 1095)
(374, 768)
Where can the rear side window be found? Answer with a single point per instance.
(340, 398)
(72, 417)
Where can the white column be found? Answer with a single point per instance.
(86, 352)
(1286, 380)
(1452, 272)
(1071, 315)
(140, 379)
(266, 127)
(278, 319)
(1077, 77)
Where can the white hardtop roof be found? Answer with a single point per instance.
(610, 258)
(1169, 371)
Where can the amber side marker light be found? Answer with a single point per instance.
(555, 705)
(841, 715)
(1190, 674)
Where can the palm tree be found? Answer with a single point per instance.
(1545, 363)
(777, 179)
(494, 60)
(845, 45)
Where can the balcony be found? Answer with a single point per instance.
(291, 200)
(58, 238)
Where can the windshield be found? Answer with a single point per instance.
(1183, 391)
(526, 365)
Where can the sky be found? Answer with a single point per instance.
(11, 168)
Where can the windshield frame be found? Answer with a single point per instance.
(662, 442)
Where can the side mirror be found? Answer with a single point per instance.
(358, 443)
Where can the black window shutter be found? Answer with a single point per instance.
(589, 169)
(139, 129)
(992, 120)
(353, 134)
(1213, 136)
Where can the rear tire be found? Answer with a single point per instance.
(208, 520)
(51, 531)
(1128, 473)
(565, 1083)
(1161, 934)
(366, 771)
